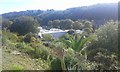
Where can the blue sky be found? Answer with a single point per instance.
(21, 5)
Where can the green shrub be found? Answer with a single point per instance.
(92, 53)
(9, 36)
(29, 50)
(103, 58)
(17, 67)
(56, 64)
(44, 64)
(44, 54)
(26, 48)
(107, 37)
(37, 52)
(20, 38)
(40, 51)
(20, 45)
(28, 37)
(69, 61)
(47, 37)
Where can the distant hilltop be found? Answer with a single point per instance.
(99, 13)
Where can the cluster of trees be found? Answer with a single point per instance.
(70, 24)
(26, 24)
(87, 26)
(21, 25)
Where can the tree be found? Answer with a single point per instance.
(24, 24)
(107, 37)
(62, 24)
(77, 25)
(67, 24)
(54, 24)
(88, 27)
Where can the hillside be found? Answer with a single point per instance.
(11, 60)
(99, 13)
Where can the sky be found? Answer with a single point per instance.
(22, 5)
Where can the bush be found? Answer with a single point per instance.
(40, 51)
(107, 37)
(56, 64)
(26, 48)
(44, 54)
(29, 37)
(69, 61)
(20, 38)
(43, 64)
(92, 53)
(47, 37)
(29, 50)
(17, 67)
(9, 36)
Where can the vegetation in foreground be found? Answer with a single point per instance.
(94, 49)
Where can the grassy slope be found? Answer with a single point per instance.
(0, 58)
(23, 60)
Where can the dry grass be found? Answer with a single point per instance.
(9, 59)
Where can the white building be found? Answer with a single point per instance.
(56, 33)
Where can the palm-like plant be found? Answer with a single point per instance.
(77, 42)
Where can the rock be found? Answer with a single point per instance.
(16, 53)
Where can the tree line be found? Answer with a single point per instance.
(99, 13)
